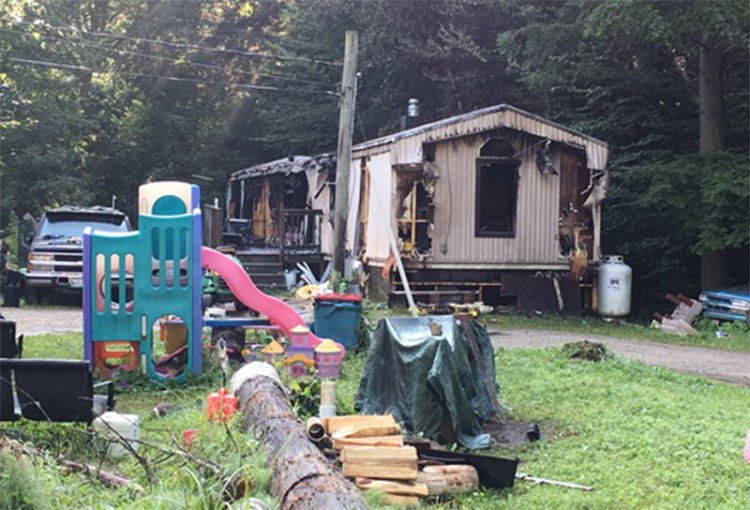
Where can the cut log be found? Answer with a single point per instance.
(335, 423)
(368, 441)
(398, 500)
(449, 479)
(392, 487)
(379, 454)
(405, 470)
(301, 477)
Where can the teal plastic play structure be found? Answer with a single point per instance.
(133, 281)
(140, 282)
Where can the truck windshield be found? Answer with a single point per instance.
(53, 229)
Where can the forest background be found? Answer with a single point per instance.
(97, 96)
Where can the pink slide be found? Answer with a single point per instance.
(244, 289)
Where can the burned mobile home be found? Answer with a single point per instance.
(497, 204)
(275, 214)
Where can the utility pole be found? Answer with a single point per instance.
(344, 151)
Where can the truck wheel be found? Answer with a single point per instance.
(33, 296)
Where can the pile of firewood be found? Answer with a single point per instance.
(372, 452)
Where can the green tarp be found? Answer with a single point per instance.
(430, 383)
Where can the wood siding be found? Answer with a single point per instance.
(535, 241)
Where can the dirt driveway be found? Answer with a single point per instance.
(38, 321)
(726, 366)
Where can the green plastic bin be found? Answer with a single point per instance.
(337, 317)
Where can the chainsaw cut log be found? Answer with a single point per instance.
(450, 479)
(392, 487)
(339, 444)
(302, 478)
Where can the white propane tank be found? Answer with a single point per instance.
(615, 286)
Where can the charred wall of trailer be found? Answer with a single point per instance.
(259, 200)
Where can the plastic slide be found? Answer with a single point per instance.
(244, 289)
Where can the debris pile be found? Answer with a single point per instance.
(372, 452)
(680, 321)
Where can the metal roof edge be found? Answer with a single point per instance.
(415, 131)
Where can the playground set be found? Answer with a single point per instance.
(147, 281)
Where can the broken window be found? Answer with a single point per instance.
(496, 190)
(415, 211)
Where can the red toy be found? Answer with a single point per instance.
(221, 405)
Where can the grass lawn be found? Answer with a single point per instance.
(171, 482)
(644, 437)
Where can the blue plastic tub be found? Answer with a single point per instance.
(337, 317)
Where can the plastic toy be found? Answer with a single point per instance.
(220, 405)
(133, 280)
(328, 359)
(161, 266)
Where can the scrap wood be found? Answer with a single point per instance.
(382, 454)
(398, 440)
(366, 430)
(686, 309)
(401, 470)
(393, 487)
(107, 478)
(335, 423)
(545, 481)
(675, 326)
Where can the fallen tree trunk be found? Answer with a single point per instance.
(302, 477)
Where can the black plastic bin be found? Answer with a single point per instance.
(12, 288)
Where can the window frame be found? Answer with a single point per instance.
(516, 164)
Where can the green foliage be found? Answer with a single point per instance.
(172, 481)
(20, 489)
(304, 395)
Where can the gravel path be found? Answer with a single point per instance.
(726, 366)
(38, 321)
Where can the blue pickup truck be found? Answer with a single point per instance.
(731, 304)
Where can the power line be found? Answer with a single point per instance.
(170, 59)
(46, 63)
(139, 40)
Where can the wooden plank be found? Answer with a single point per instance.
(393, 487)
(381, 454)
(335, 423)
(366, 430)
(368, 441)
(406, 470)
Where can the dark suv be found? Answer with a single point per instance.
(56, 254)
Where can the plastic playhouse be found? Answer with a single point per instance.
(142, 291)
